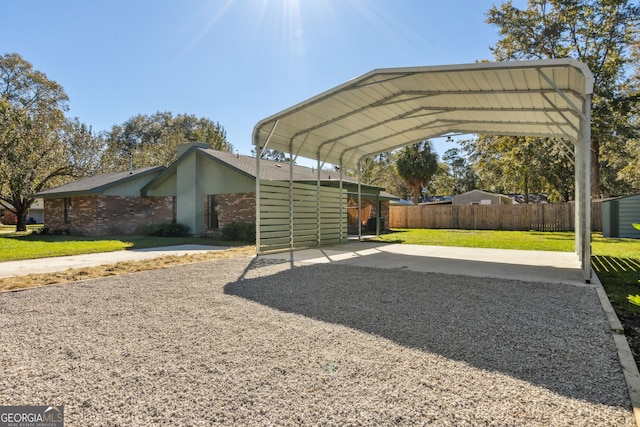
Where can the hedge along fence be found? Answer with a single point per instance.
(522, 217)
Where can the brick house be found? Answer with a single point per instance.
(105, 204)
(204, 189)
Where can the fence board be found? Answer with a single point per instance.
(522, 217)
(309, 216)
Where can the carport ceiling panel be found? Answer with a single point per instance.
(386, 109)
(519, 128)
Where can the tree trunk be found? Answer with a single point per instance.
(416, 194)
(596, 188)
(20, 209)
(21, 222)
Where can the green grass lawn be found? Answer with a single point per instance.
(615, 261)
(562, 242)
(522, 240)
(16, 246)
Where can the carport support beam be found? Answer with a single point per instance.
(318, 205)
(342, 236)
(258, 154)
(585, 160)
(359, 202)
(291, 208)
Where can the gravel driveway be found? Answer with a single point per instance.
(247, 341)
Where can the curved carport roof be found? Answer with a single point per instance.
(390, 108)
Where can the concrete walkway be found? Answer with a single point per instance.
(53, 264)
(538, 266)
(541, 266)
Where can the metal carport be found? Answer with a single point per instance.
(386, 109)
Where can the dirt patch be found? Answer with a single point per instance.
(77, 274)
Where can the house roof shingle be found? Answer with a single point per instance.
(279, 171)
(96, 184)
(269, 169)
(272, 170)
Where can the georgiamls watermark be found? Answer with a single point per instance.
(31, 416)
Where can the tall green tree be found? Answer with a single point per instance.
(35, 146)
(152, 140)
(509, 164)
(630, 172)
(628, 165)
(599, 33)
(376, 170)
(460, 172)
(83, 148)
(417, 164)
(442, 183)
(274, 155)
(379, 170)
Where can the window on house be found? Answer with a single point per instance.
(213, 212)
(174, 211)
(67, 209)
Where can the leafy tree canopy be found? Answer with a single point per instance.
(39, 146)
(417, 164)
(152, 140)
(600, 33)
(509, 164)
(457, 174)
(274, 155)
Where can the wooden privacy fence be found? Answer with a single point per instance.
(524, 217)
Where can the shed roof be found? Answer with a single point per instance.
(626, 196)
(482, 193)
(390, 108)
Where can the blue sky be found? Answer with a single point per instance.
(232, 61)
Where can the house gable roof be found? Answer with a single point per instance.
(97, 184)
(272, 170)
(247, 165)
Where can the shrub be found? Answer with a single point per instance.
(170, 230)
(39, 231)
(242, 231)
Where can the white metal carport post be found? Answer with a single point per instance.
(359, 201)
(258, 155)
(582, 153)
(583, 191)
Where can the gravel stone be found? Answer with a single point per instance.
(248, 341)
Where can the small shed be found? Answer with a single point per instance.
(618, 215)
(479, 197)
